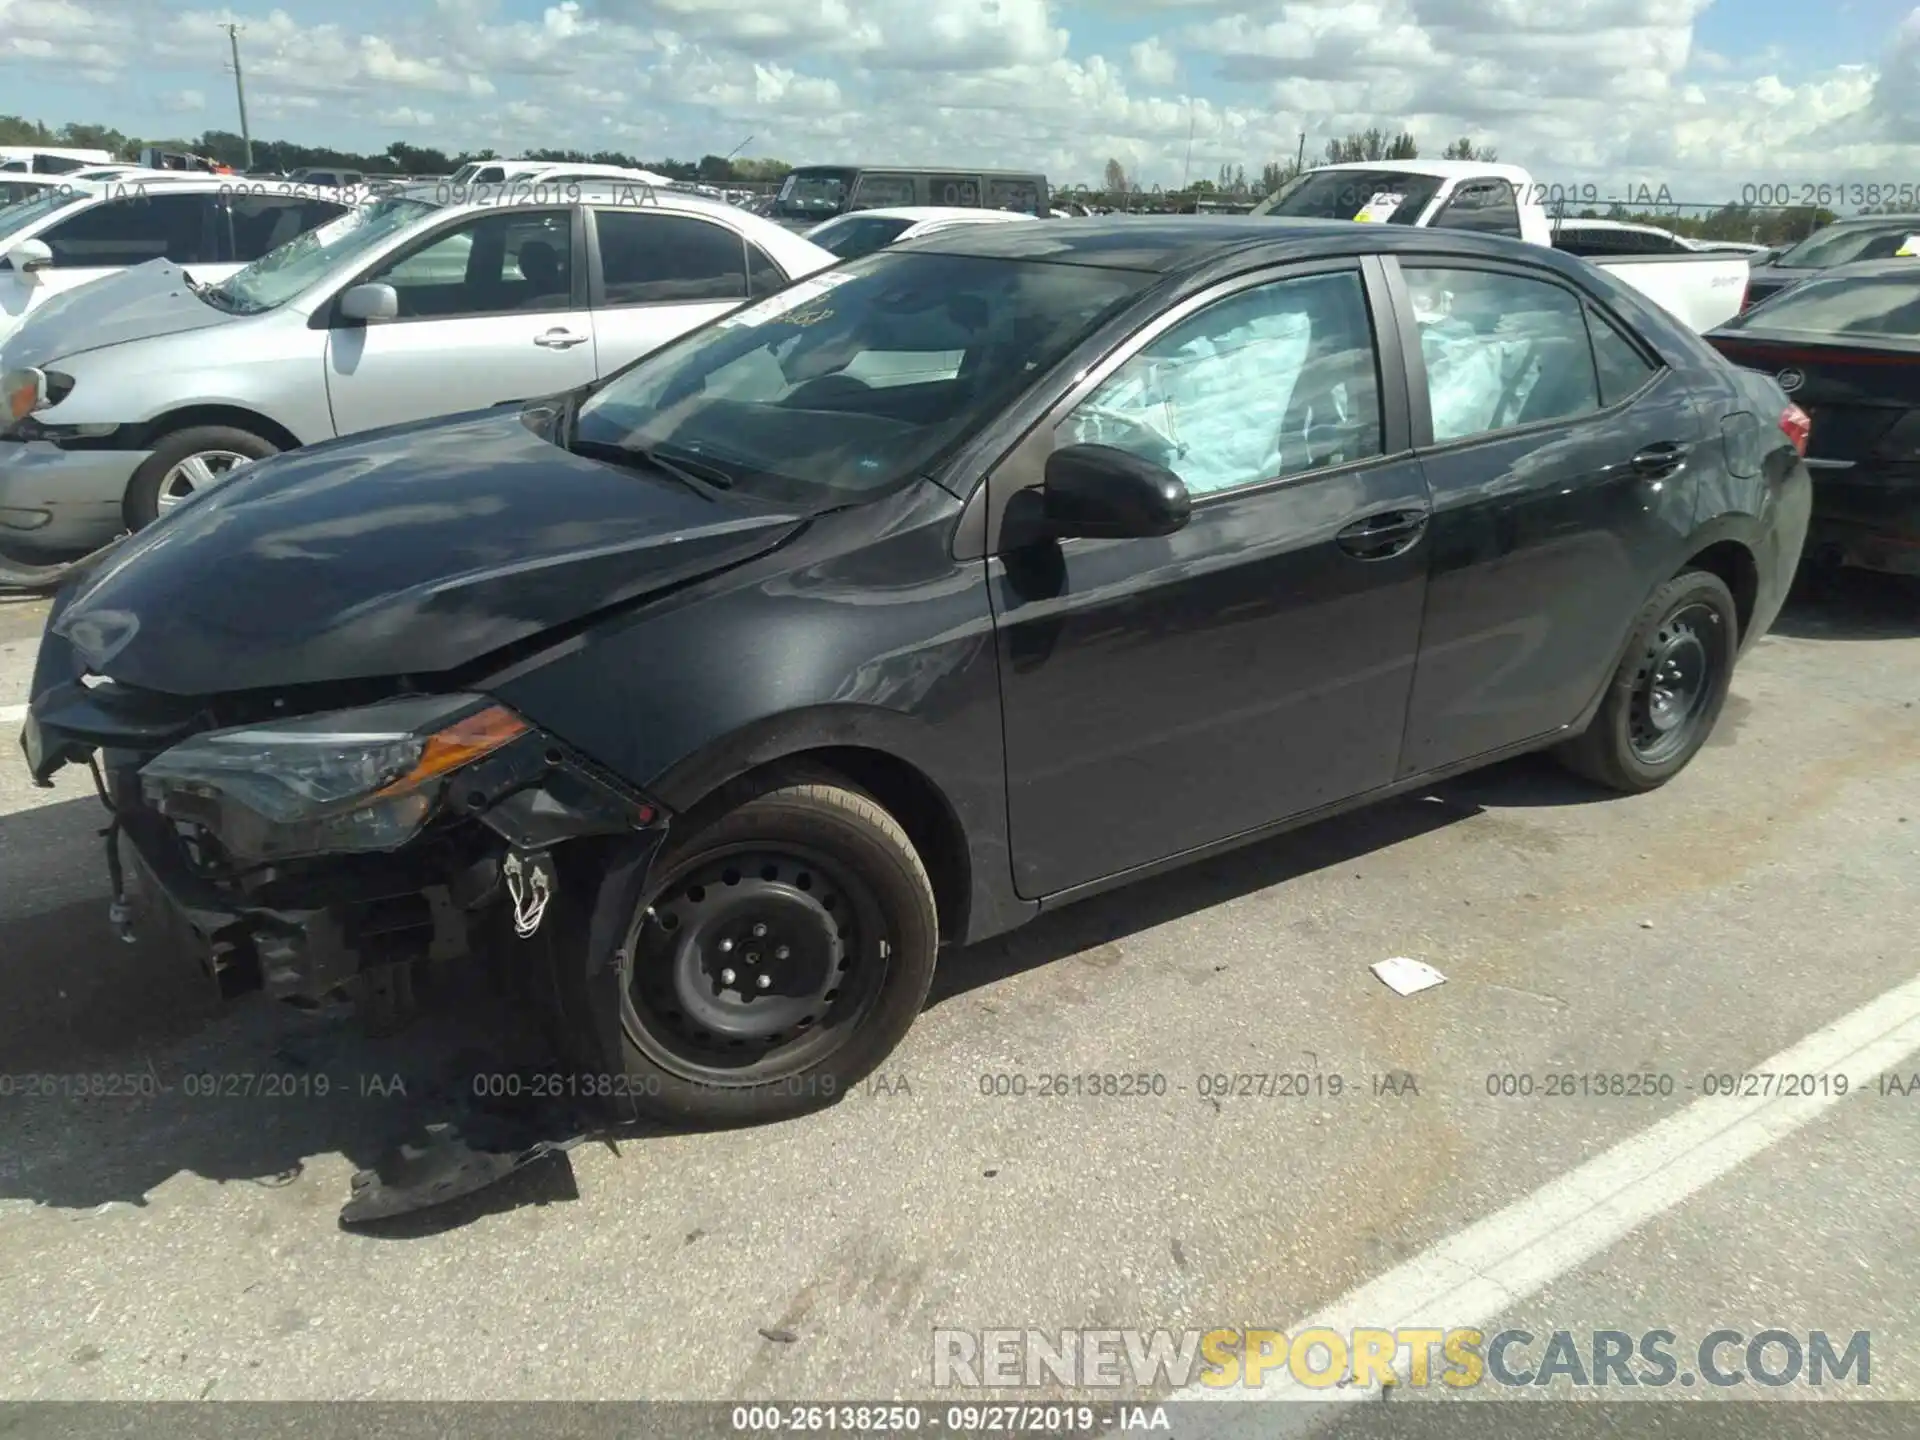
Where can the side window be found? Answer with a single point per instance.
(1884, 247)
(136, 228)
(1484, 205)
(263, 223)
(1501, 350)
(655, 259)
(509, 260)
(492, 175)
(1021, 195)
(877, 191)
(949, 190)
(764, 276)
(1274, 381)
(1623, 369)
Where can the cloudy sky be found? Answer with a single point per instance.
(1703, 96)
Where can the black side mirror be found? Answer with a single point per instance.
(1105, 493)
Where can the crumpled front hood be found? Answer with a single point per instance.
(137, 304)
(407, 552)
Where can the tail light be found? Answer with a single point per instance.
(1746, 296)
(1797, 426)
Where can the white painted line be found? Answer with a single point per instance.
(1483, 1271)
(12, 714)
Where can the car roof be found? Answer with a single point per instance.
(932, 212)
(922, 170)
(1866, 270)
(1175, 244)
(1583, 222)
(1442, 169)
(1869, 222)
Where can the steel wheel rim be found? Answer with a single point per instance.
(694, 1003)
(1675, 684)
(201, 470)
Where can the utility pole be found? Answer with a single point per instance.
(240, 93)
(1300, 162)
(1186, 171)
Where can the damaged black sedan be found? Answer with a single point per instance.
(961, 581)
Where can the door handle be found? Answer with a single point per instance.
(1661, 459)
(1383, 536)
(558, 339)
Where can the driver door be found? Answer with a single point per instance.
(493, 308)
(1163, 694)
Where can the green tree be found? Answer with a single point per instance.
(1465, 149)
(1374, 144)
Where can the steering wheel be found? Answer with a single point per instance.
(1134, 435)
(826, 387)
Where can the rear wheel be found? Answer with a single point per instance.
(1669, 690)
(778, 953)
(197, 458)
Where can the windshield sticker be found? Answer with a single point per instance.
(1910, 248)
(776, 307)
(1380, 208)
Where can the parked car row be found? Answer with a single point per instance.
(167, 376)
(726, 670)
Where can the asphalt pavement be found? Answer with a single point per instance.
(161, 1242)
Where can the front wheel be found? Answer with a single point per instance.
(1669, 689)
(778, 953)
(197, 458)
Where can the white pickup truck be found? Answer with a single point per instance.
(1702, 288)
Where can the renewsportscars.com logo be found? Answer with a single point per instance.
(1459, 1359)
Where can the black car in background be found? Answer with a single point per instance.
(1846, 347)
(964, 580)
(1845, 242)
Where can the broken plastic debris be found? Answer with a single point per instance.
(1407, 977)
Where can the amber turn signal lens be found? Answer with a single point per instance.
(461, 743)
(23, 391)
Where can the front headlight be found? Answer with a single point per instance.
(22, 391)
(28, 389)
(344, 781)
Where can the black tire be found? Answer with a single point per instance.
(637, 981)
(142, 505)
(1636, 743)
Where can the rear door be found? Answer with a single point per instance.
(1557, 447)
(492, 308)
(657, 275)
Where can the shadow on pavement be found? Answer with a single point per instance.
(119, 1067)
(1850, 605)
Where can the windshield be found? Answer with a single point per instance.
(814, 192)
(279, 275)
(854, 381)
(852, 236)
(45, 201)
(1390, 197)
(1881, 305)
(1842, 245)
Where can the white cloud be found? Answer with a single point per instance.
(1153, 62)
(185, 100)
(1608, 91)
